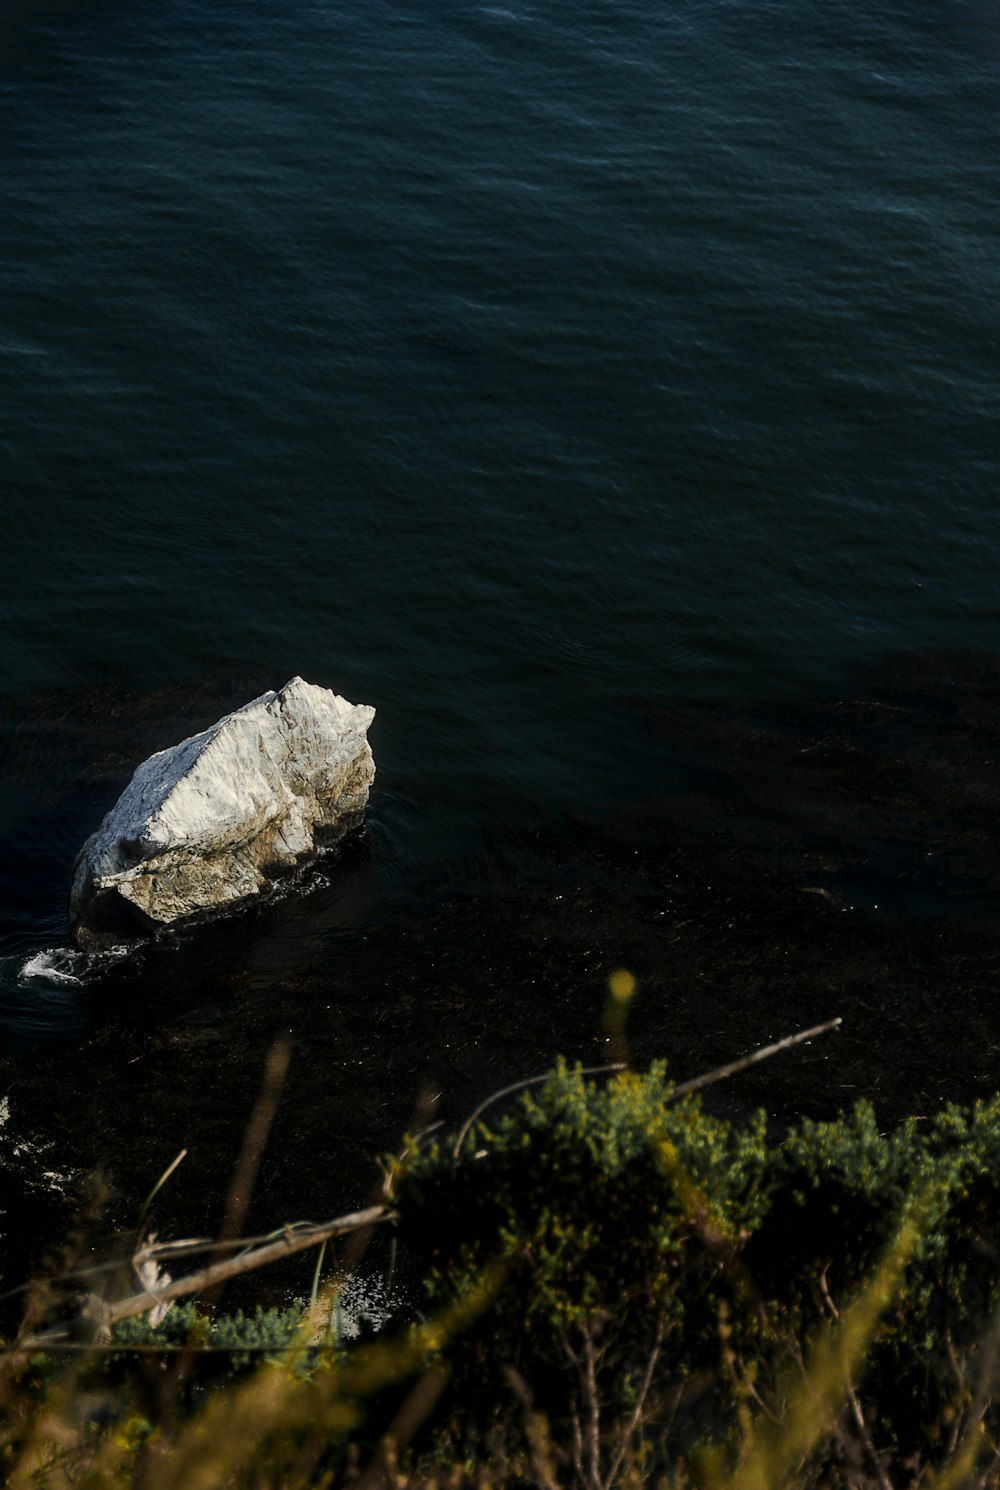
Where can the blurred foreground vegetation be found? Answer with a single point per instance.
(614, 1288)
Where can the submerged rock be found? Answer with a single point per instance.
(209, 822)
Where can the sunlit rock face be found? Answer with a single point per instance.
(209, 822)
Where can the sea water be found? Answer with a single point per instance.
(516, 368)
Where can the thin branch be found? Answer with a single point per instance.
(721, 1072)
(166, 1251)
(254, 1141)
(519, 1086)
(630, 1431)
(577, 1445)
(856, 1409)
(593, 1403)
(684, 1089)
(221, 1272)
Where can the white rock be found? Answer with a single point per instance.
(210, 821)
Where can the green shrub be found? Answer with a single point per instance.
(635, 1226)
(227, 1346)
(621, 1289)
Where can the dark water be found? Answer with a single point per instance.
(533, 374)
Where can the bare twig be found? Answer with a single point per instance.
(965, 1450)
(734, 1067)
(254, 1139)
(220, 1272)
(852, 1397)
(519, 1086)
(634, 1421)
(684, 1089)
(167, 1251)
(593, 1408)
(577, 1444)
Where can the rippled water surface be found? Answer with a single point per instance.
(522, 370)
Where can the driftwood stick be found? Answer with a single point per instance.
(168, 1252)
(721, 1072)
(220, 1272)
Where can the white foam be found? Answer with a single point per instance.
(54, 964)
